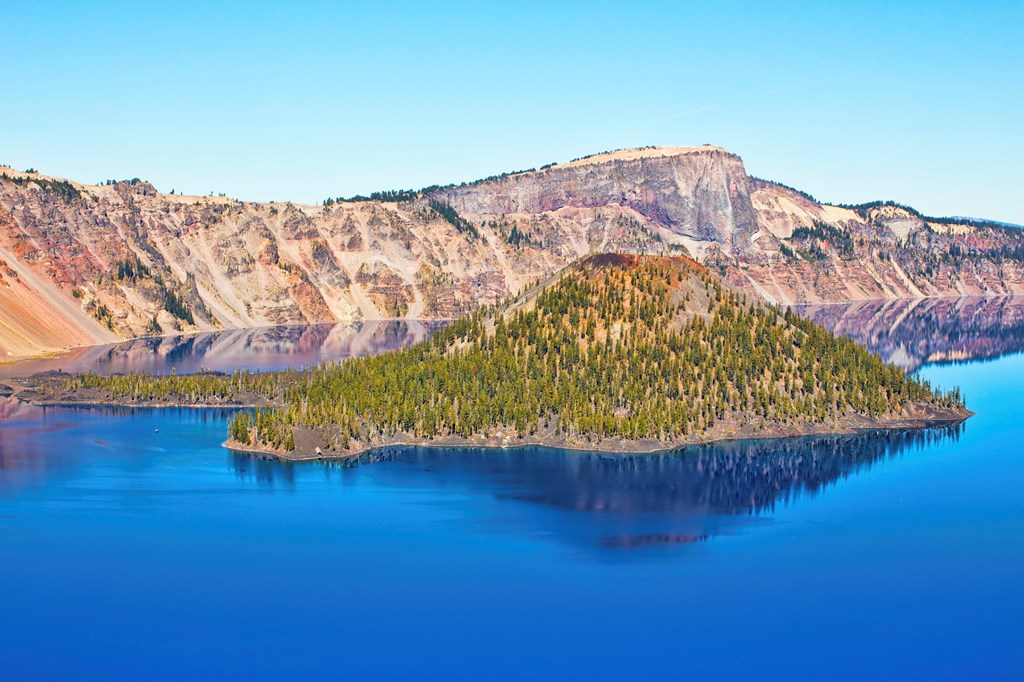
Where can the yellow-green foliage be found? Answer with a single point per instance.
(631, 347)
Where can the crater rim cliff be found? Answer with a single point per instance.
(82, 264)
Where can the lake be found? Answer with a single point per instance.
(265, 349)
(134, 546)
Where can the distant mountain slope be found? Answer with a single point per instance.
(121, 259)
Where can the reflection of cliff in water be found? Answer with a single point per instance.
(915, 332)
(257, 349)
(628, 501)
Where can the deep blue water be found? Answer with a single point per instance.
(129, 553)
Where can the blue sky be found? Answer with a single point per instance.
(918, 102)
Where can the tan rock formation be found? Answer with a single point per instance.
(84, 264)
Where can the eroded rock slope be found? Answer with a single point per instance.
(86, 264)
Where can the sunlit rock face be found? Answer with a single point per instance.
(701, 193)
(83, 264)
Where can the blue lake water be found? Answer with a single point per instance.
(135, 547)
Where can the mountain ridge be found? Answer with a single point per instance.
(92, 263)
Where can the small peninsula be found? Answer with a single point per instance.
(617, 353)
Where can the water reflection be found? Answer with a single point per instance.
(907, 332)
(266, 348)
(627, 501)
(918, 332)
(40, 445)
(595, 501)
(267, 473)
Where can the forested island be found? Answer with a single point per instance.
(617, 353)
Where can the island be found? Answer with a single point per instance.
(615, 353)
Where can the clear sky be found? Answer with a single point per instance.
(918, 102)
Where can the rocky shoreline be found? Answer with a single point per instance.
(921, 417)
(314, 445)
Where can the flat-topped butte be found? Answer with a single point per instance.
(616, 353)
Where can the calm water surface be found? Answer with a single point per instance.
(266, 348)
(134, 547)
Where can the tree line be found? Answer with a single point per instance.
(657, 350)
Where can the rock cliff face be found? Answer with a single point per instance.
(85, 264)
(700, 193)
(808, 252)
